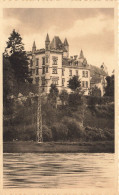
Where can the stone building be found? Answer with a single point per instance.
(53, 65)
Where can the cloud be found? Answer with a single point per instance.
(40, 20)
(89, 29)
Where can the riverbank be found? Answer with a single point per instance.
(58, 147)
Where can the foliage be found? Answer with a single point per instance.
(109, 89)
(59, 131)
(63, 96)
(9, 84)
(14, 51)
(74, 83)
(74, 100)
(75, 128)
(52, 96)
(95, 91)
(97, 134)
(47, 133)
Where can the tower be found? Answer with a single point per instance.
(34, 47)
(47, 43)
(81, 55)
(66, 47)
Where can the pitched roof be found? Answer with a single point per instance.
(96, 79)
(94, 70)
(74, 63)
(34, 44)
(56, 43)
(47, 38)
(66, 42)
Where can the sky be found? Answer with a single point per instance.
(89, 29)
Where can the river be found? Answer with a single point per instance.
(79, 170)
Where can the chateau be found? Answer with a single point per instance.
(54, 66)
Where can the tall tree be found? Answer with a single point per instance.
(9, 86)
(109, 89)
(74, 83)
(52, 97)
(16, 54)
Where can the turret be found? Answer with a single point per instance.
(66, 47)
(47, 43)
(34, 47)
(81, 55)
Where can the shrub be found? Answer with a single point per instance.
(74, 99)
(47, 133)
(75, 128)
(59, 131)
(97, 134)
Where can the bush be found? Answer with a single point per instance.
(74, 99)
(97, 134)
(75, 128)
(47, 133)
(59, 131)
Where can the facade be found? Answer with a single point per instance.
(54, 66)
(98, 78)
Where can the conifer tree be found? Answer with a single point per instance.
(16, 54)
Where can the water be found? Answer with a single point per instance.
(79, 170)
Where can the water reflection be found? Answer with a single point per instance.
(58, 170)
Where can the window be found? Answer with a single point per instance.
(76, 72)
(43, 70)
(55, 82)
(63, 80)
(83, 74)
(86, 84)
(62, 72)
(37, 61)
(43, 61)
(70, 72)
(86, 73)
(36, 71)
(55, 59)
(54, 70)
(46, 69)
(83, 84)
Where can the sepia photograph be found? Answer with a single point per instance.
(58, 98)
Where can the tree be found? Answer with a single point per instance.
(52, 97)
(16, 54)
(109, 89)
(95, 91)
(74, 83)
(63, 96)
